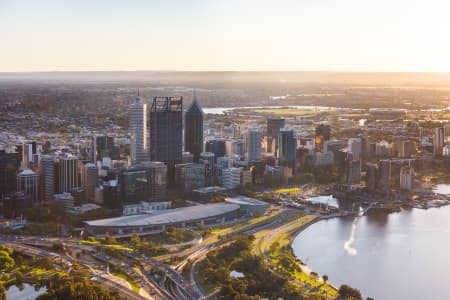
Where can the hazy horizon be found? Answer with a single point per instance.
(201, 35)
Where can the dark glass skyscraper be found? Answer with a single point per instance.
(9, 167)
(193, 129)
(103, 146)
(273, 127)
(216, 146)
(287, 146)
(166, 133)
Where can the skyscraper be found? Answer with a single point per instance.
(189, 177)
(287, 146)
(138, 131)
(216, 146)
(68, 174)
(273, 127)
(89, 180)
(166, 133)
(157, 177)
(371, 177)
(9, 167)
(193, 129)
(103, 146)
(28, 182)
(47, 177)
(384, 181)
(355, 147)
(438, 141)
(253, 143)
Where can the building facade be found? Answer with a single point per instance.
(139, 150)
(166, 133)
(193, 129)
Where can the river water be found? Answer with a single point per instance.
(398, 256)
(25, 292)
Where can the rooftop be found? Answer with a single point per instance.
(210, 189)
(177, 215)
(242, 200)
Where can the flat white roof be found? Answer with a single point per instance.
(168, 216)
(242, 200)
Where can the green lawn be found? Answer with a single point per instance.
(274, 249)
(119, 273)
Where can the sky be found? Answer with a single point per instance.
(218, 35)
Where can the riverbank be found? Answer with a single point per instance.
(384, 243)
(275, 248)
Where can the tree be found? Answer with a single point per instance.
(135, 240)
(348, 293)
(6, 261)
(110, 240)
(2, 292)
(325, 278)
(79, 290)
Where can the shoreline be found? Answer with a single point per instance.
(295, 233)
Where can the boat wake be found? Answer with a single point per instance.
(348, 244)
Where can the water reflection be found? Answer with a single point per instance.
(398, 256)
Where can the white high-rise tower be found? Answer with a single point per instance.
(138, 131)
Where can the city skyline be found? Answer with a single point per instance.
(240, 36)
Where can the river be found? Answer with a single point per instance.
(25, 292)
(398, 256)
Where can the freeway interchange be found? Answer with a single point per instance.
(170, 282)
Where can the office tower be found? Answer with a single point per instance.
(187, 157)
(323, 133)
(27, 154)
(231, 178)
(111, 195)
(234, 147)
(157, 177)
(166, 133)
(216, 146)
(224, 162)
(208, 159)
(139, 150)
(407, 176)
(364, 147)
(253, 143)
(371, 177)
(47, 177)
(189, 177)
(323, 158)
(193, 129)
(28, 182)
(334, 146)
(341, 159)
(9, 167)
(287, 148)
(273, 127)
(438, 141)
(103, 146)
(67, 174)
(14, 204)
(353, 171)
(90, 180)
(406, 148)
(355, 147)
(447, 133)
(134, 185)
(384, 181)
(382, 149)
(235, 130)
